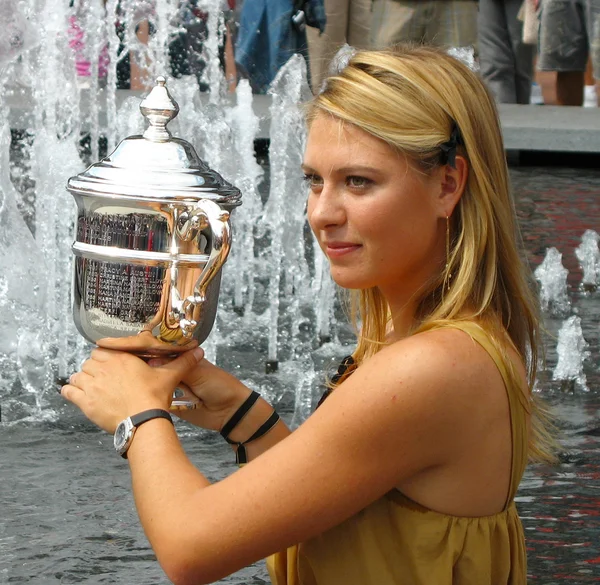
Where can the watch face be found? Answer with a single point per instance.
(120, 436)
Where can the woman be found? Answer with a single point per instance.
(406, 473)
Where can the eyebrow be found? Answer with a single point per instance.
(346, 170)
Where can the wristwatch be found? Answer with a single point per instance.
(126, 428)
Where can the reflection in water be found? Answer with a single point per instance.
(560, 507)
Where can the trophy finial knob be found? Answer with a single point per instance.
(159, 108)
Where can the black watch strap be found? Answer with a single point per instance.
(146, 415)
(139, 419)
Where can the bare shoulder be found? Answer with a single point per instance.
(437, 389)
(439, 381)
(437, 362)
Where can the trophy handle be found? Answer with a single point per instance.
(189, 225)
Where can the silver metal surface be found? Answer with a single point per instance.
(152, 235)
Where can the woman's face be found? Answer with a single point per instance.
(379, 222)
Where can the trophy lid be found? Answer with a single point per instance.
(155, 166)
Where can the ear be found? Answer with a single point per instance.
(453, 182)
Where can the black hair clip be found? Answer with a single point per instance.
(448, 148)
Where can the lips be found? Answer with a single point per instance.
(337, 249)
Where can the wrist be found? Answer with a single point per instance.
(256, 416)
(145, 404)
(126, 430)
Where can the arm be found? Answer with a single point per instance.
(394, 417)
(257, 415)
(221, 395)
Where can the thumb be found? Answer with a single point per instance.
(186, 362)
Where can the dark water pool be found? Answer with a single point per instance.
(67, 514)
(560, 506)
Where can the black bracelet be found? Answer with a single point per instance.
(241, 455)
(239, 414)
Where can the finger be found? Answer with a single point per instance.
(80, 379)
(89, 366)
(184, 363)
(74, 394)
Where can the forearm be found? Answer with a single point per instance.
(257, 415)
(170, 497)
(165, 486)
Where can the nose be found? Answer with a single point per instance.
(326, 208)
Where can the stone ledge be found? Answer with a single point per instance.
(550, 128)
(525, 128)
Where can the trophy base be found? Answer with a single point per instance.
(183, 399)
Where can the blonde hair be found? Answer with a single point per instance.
(412, 97)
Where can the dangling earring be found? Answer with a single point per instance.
(448, 275)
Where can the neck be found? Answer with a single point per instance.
(403, 308)
(403, 317)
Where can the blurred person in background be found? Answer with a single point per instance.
(506, 62)
(348, 21)
(186, 50)
(444, 23)
(272, 31)
(81, 50)
(569, 38)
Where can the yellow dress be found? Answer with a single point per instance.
(395, 541)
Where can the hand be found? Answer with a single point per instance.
(113, 385)
(220, 393)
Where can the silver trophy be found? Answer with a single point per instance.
(152, 235)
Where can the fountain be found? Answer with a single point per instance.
(571, 347)
(572, 350)
(284, 317)
(552, 276)
(588, 255)
(278, 302)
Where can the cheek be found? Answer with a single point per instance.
(400, 229)
(310, 206)
(384, 225)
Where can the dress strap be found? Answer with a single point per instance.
(517, 401)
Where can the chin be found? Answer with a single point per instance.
(349, 279)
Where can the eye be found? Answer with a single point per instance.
(357, 182)
(313, 181)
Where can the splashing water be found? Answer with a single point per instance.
(572, 351)
(466, 55)
(588, 255)
(245, 125)
(272, 258)
(552, 276)
(19, 31)
(284, 216)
